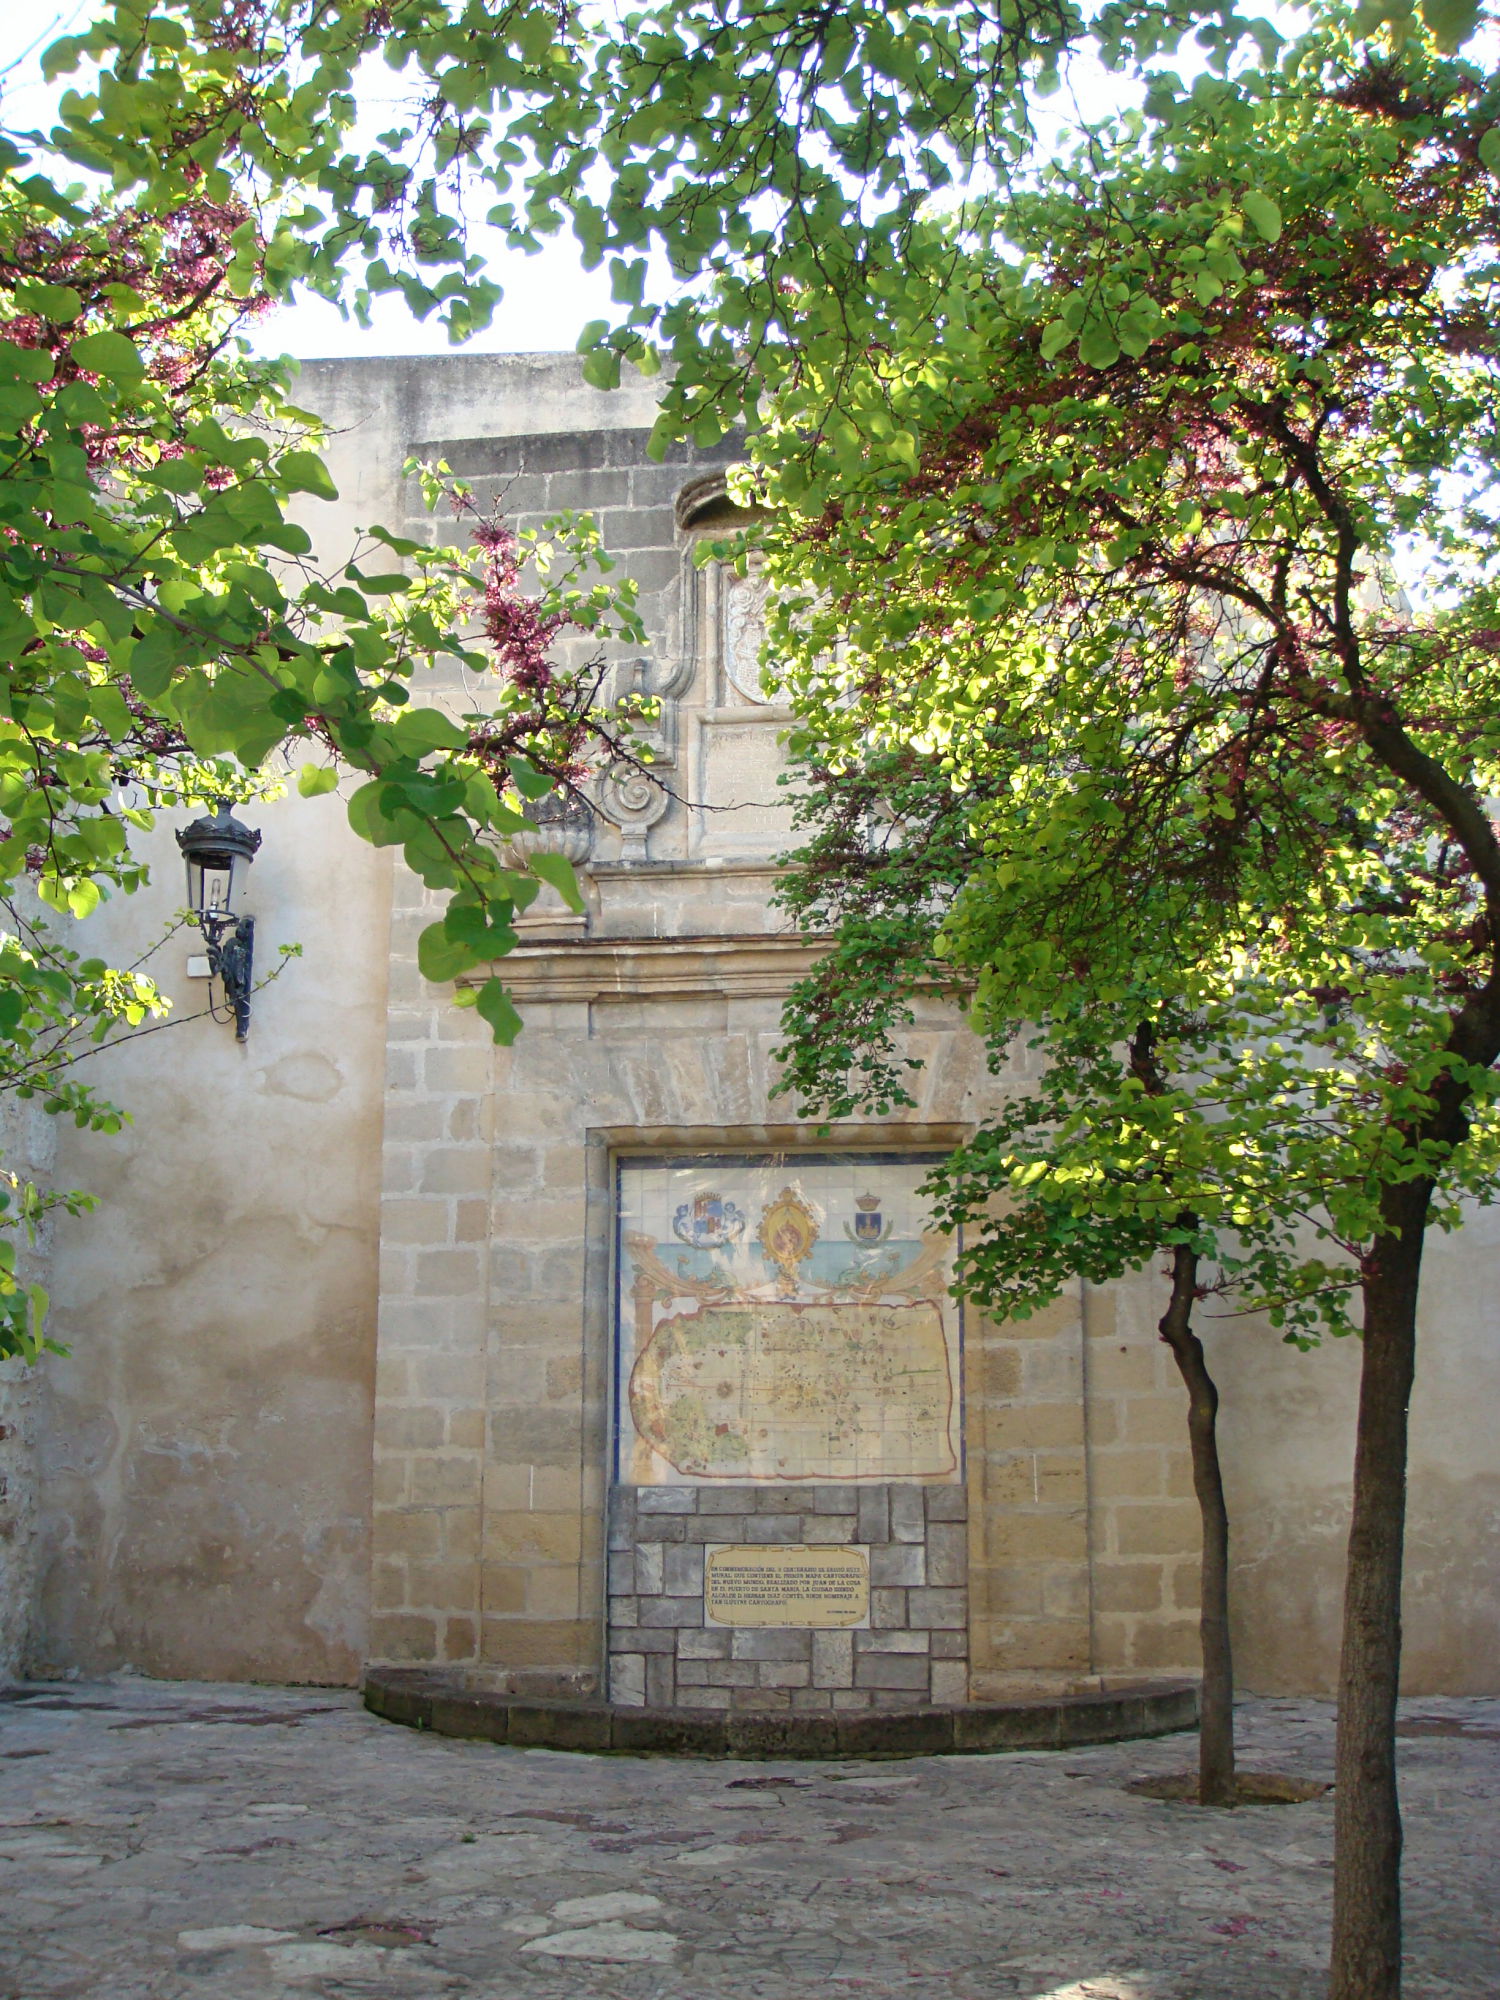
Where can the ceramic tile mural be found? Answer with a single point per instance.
(784, 1321)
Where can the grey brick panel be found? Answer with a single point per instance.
(915, 1651)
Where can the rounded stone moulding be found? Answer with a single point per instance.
(426, 1699)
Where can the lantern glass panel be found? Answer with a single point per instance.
(211, 882)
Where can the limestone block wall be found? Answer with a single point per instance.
(1144, 1534)
(653, 1023)
(663, 1653)
(1031, 1597)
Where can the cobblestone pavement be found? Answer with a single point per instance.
(172, 1842)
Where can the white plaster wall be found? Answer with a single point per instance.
(205, 1450)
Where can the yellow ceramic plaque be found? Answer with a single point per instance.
(788, 1586)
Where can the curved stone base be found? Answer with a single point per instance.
(427, 1699)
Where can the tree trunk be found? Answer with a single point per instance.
(1216, 1716)
(1366, 1956)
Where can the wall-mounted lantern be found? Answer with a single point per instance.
(218, 850)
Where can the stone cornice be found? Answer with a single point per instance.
(766, 964)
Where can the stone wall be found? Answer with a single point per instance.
(203, 1486)
(663, 1653)
(18, 1503)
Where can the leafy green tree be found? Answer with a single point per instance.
(1103, 520)
(161, 615)
(55, 1007)
(1154, 1129)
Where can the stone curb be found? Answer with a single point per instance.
(423, 1699)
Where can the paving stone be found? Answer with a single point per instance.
(757, 1644)
(650, 1562)
(946, 1503)
(898, 1563)
(611, 1944)
(892, 1642)
(888, 1609)
(836, 1500)
(830, 1529)
(707, 1645)
(887, 1670)
(773, 1528)
(666, 1500)
(682, 1568)
(203, 1842)
(673, 1611)
(874, 1512)
(908, 1514)
(938, 1610)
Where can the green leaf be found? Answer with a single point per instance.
(1450, 22)
(528, 781)
(1056, 335)
(1263, 213)
(305, 472)
(58, 303)
(495, 1006)
(24, 364)
(315, 779)
(109, 354)
(601, 368)
(1098, 347)
(557, 869)
(1489, 149)
(441, 957)
(421, 730)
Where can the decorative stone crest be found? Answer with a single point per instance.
(744, 602)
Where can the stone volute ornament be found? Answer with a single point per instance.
(632, 801)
